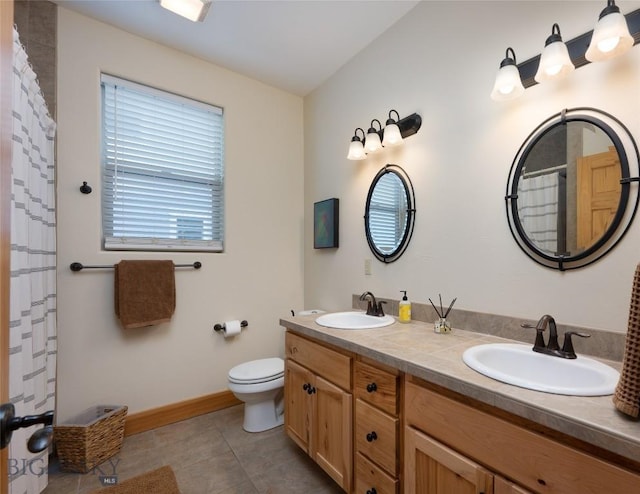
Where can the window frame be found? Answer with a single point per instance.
(196, 189)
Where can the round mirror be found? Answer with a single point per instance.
(389, 213)
(570, 197)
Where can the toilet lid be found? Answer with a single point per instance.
(257, 371)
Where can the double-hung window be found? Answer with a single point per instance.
(162, 169)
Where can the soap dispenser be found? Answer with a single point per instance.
(404, 314)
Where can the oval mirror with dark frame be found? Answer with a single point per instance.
(389, 213)
(571, 192)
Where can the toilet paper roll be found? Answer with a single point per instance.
(231, 328)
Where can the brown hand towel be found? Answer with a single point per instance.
(627, 394)
(145, 292)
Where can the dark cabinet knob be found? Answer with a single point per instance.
(372, 491)
(306, 386)
(372, 387)
(311, 390)
(372, 436)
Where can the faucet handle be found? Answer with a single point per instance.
(380, 311)
(526, 325)
(567, 346)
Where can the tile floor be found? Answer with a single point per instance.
(210, 454)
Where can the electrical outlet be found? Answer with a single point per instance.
(367, 266)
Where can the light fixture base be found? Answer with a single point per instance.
(409, 125)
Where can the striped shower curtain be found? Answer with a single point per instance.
(32, 327)
(538, 210)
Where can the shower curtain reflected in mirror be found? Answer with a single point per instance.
(538, 210)
(32, 326)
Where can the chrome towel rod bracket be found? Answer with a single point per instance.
(78, 266)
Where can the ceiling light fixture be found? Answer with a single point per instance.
(611, 36)
(508, 84)
(194, 10)
(555, 62)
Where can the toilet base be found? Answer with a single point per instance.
(262, 416)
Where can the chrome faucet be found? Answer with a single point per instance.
(552, 347)
(374, 308)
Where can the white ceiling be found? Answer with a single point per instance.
(294, 45)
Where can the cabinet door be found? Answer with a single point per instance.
(331, 441)
(298, 402)
(432, 468)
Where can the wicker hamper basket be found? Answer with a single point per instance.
(90, 438)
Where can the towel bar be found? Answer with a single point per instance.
(78, 266)
(220, 327)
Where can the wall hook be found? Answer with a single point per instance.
(85, 189)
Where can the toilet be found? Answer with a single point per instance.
(260, 385)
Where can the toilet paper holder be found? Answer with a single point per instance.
(222, 327)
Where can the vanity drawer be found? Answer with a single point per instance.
(376, 436)
(377, 387)
(370, 477)
(330, 364)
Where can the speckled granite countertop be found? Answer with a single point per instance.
(415, 349)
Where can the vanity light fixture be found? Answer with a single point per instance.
(405, 127)
(356, 148)
(372, 142)
(555, 62)
(611, 36)
(194, 10)
(391, 134)
(508, 84)
(579, 54)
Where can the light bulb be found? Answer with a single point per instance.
(506, 89)
(609, 44)
(553, 70)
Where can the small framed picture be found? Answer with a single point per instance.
(325, 224)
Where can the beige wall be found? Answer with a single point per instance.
(440, 61)
(258, 277)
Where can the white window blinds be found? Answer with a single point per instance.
(163, 170)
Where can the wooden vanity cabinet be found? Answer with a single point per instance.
(446, 439)
(404, 435)
(377, 428)
(318, 405)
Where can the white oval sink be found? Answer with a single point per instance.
(353, 320)
(521, 366)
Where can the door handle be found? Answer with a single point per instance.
(39, 440)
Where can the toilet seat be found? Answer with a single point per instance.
(257, 371)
